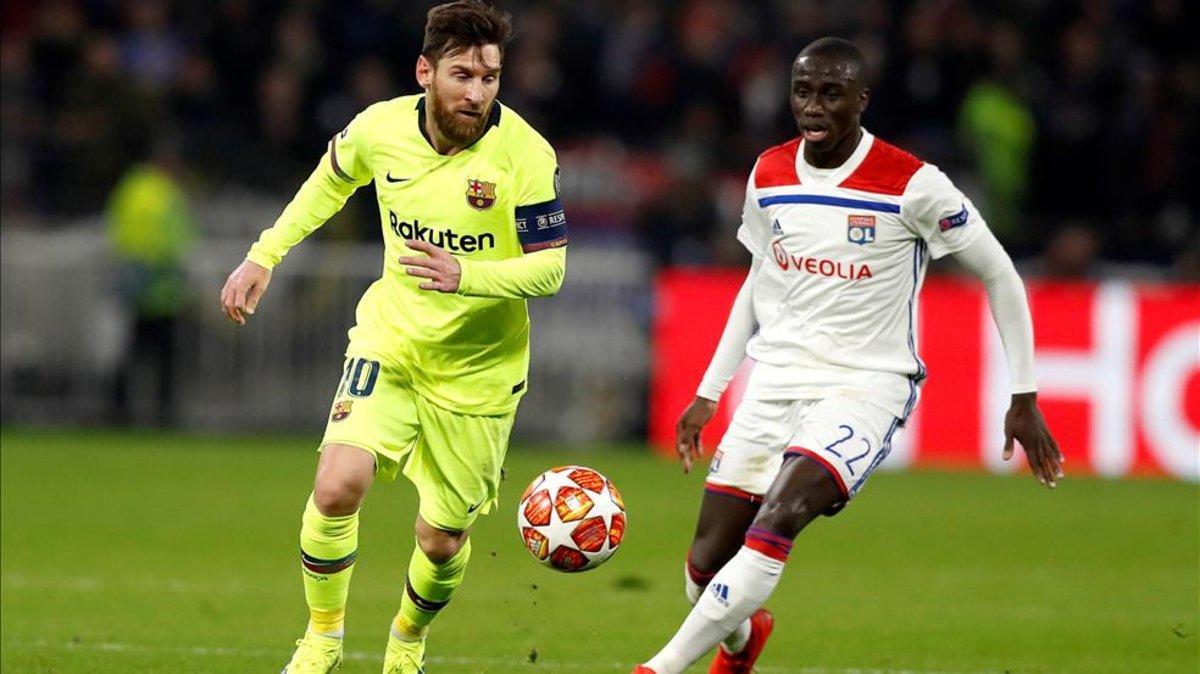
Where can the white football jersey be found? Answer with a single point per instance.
(844, 253)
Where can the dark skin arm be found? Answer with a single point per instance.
(687, 430)
(1024, 424)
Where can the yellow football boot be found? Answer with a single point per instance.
(315, 654)
(404, 657)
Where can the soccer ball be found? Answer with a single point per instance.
(571, 518)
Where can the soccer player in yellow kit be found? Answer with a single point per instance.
(437, 360)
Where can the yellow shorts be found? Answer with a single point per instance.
(453, 459)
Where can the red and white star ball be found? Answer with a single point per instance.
(571, 518)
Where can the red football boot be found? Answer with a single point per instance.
(761, 624)
(643, 669)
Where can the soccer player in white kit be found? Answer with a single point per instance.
(841, 226)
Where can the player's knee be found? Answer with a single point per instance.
(701, 562)
(440, 547)
(786, 517)
(803, 492)
(336, 498)
(344, 474)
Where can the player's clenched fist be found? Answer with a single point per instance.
(243, 289)
(440, 267)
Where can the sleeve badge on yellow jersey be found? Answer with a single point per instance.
(341, 410)
(480, 195)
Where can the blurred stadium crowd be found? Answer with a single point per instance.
(1073, 124)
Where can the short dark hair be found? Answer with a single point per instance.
(840, 49)
(463, 24)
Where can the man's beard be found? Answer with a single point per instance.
(455, 128)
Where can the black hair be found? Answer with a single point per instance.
(840, 49)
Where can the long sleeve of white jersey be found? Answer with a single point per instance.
(987, 260)
(754, 234)
(939, 213)
(951, 225)
(731, 350)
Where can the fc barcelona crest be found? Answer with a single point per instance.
(860, 229)
(480, 195)
(341, 410)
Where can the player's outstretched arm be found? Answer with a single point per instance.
(727, 357)
(986, 259)
(243, 289)
(341, 170)
(322, 194)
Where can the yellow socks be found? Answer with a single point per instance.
(328, 548)
(427, 590)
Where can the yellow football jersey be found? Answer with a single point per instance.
(494, 205)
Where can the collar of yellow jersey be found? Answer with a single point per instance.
(493, 120)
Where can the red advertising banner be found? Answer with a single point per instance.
(1117, 364)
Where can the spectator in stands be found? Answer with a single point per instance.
(151, 230)
(1072, 253)
(102, 123)
(150, 48)
(1111, 86)
(997, 127)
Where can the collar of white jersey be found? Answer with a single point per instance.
(814, 176)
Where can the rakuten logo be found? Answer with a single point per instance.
(849, 271)
(442, 238)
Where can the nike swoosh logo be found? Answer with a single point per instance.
(390, 179)
(474, 507)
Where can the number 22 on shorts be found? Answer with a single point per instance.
(849, 434)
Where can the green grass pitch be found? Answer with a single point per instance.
(140, 552)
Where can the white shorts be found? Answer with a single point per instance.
(848, 437)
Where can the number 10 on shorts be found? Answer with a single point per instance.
(358, 377)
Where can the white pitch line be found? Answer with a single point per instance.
(211, 651)
(87, 584)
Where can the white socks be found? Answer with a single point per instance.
(735, 593)
(736, 641)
